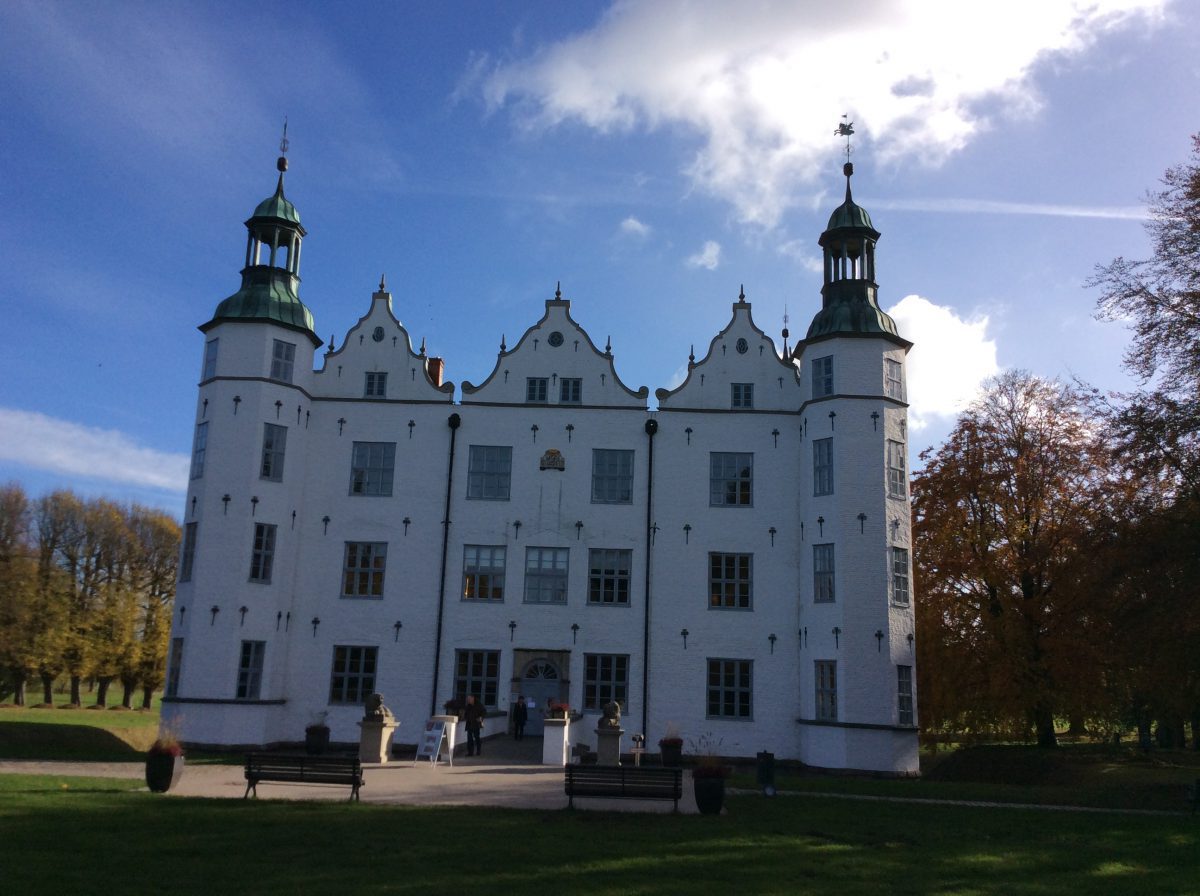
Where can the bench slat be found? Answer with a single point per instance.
(621, 782)
(284, 768)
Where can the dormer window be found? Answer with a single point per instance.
(571, 390)
(376, 385)
(536, 389)
(741, 395)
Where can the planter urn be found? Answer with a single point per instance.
(163, 771)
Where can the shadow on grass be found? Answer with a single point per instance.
(38, 740)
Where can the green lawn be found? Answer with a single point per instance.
(62, 732)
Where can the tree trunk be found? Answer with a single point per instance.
(127, 694)
(102, 690)
(47, 688)
(1044, 720)
(18, 687)
(147, 696)
(76, 697)
(1196, 729)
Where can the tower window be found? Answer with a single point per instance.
(823, 466)
(823, 574)
(376, 385)
(274, 446)
(189, 552)
(250, 669)
(199, 449)
(900, 576)
(893, 379)
(283, 359)
(210, 359)
(826, 681)
(904, 695)
(822, 376)
(262, 556)
(741, 395)
(895, 469)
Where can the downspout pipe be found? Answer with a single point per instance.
(651, 430)
(454, 421)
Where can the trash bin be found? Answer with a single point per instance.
(766, 773)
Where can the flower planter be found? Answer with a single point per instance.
(316, 740)
(672, 754)
(710, 795)
(163, 771)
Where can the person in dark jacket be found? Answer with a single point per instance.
(520, 717)
(473, 715)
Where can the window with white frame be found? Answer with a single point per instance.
(822, 466)
(546, 575)
(893, 381)
(250, 669)
(210, 359)
(489, 472)
(174, 667)
(483, 572)
(375, 385)
(536, 389)
(273, 448)
(826, 681)
(895, 469)
(262, 555)
(570, 390)
(730, 581)
(612, 476)
(608, 576)
(904, 695)
(477, 674)
(199, 450)
(188, 556)
(605, 678)
(822, 376)
(363, 567)
(731, 479)
(741, 395)
(730, 689)
(353, 678)
(900, 576)
(371, 467)
(823, 573)
(283, 359)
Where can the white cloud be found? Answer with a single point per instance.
(800, 251)
(764, 88)
(59, 446)
(708, 257)
(1000, 207)
(631, 226)
(950, 358)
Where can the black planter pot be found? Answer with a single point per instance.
(710, 795)
(316, 740)
(163, 771)
(672, 754)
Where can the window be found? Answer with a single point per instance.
(250, 668)
(612, 476)
(199, 449)
(210, 359)
(173, 668)
(729, 581)
(822, 376)
(371, 467)
(546, 575)
(823, 466)
(895, 469)
(536, 389)
(741, 395)
(489, 472)
(274, 445)
(188, 556)
(900, 576)
(483, 572)
(263, 554)
(605, 678)
(823, 573)
(362, 571)
(729, 689)
(904, 695)
(376, 386)
(730, 479)
(283, 359)
(353, 677)
(477, 672)
(893, 383)
(608, 577)
(571, 390)
(826, 678)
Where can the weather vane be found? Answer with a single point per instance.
(281, 163)
(845, 129)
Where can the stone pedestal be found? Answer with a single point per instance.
(608, 746)
(556, 737)
(375, 740)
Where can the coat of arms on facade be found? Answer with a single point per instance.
(553, 460)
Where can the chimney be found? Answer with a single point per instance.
(435, 367)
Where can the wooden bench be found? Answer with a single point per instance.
(621, 782)
(288, 768)
(1194, 796)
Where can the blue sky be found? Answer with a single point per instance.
(651, 156)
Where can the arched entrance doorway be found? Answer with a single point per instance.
(541, 681)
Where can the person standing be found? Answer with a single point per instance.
(520, 717)
(473, 715)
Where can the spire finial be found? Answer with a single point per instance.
(741, 292)
(281, 164)
(383, 283)
(558, 290)
(846, 129)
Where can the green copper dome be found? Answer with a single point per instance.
(277, 206)
(849, 215)
(269, 301)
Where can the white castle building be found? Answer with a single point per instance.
(735, 564)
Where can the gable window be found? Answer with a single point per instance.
(823, 573)
(371, 467)
(608, 577)
(730, 581)
(174, 666)
(904, 695)
(274, 446)
(483, 572)
(570, 390)
(376, 385)
(546, 575)
(893, 379)
(900, 576)
(210, 359)
(895, 470)
(189, 552)
(612, 476)
(363, 567)
(536, 389)
(730, 689)
(353, 678)
(250, 668)
(605, 678)
(477, 673)
(283, 359)
(822, 466)
(262, 555)
(741, 395)
(731, 479)
(826, 680)
(199, 449)
(489, 471)
(822, 376)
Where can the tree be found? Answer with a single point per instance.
(17, 589)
